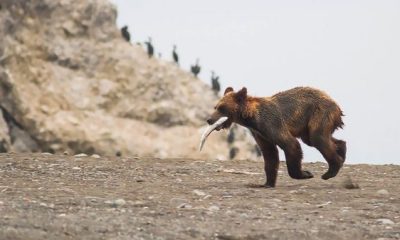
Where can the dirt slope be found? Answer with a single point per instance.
(67, 197)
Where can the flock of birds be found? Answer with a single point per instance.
(195, 69)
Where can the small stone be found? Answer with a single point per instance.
(1, 203)
(81, 155)
(382, 192)
(385, 221)
(199, 193)
(46, 154)
(116, 203)
(138, 203)
(348, 183)
(324, 204)
(76, 168)
(120, 202)
(43, 204)
(66, 153)
(95, 156)
(213, 208)
(207, 196)
(185, 205)
(177, 201)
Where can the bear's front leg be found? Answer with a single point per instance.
(271, 160)
(294, 155)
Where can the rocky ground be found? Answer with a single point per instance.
(44, 196)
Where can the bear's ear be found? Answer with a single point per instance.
(228, 89)
(241, 95)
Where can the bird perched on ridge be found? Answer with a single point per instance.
(231, 136)
(233, 152)
(216, 87)
(125, 33)
(175, 55)
(195, 68)
(150, 48)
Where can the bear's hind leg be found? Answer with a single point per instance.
(330, 151)
(340, 148)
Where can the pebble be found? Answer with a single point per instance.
(383, 192)
(199, 193)
(138, 203)
(185, 205)
(207, 196)
(178, 201)
(324, 204)
(76, 168)
(46, 154)
(95, 156)
(213, 208)
(81, 155)
(120, 202)
(385, 221)
(348, 183)
(116, 203)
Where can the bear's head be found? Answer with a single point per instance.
(232, 105)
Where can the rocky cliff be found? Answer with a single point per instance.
(69, 82)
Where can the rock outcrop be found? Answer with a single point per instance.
(69, 82)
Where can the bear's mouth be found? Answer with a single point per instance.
(227, 124)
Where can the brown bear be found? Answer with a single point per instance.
(301, 112)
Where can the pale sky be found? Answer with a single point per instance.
(350, 49)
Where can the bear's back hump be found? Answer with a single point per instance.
(301, 102)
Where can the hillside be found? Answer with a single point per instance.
(70, 82)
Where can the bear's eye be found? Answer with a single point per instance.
(222, 109)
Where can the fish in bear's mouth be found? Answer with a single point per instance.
(218, 125)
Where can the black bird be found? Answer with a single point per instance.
(125, 33)
(175, 55)
(231, 136)
(195, 68)
(233, 152)
(216, 87)
(150, 48)
(118, 154)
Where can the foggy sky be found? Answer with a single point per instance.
(350, 49)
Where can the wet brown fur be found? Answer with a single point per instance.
(301, 112)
